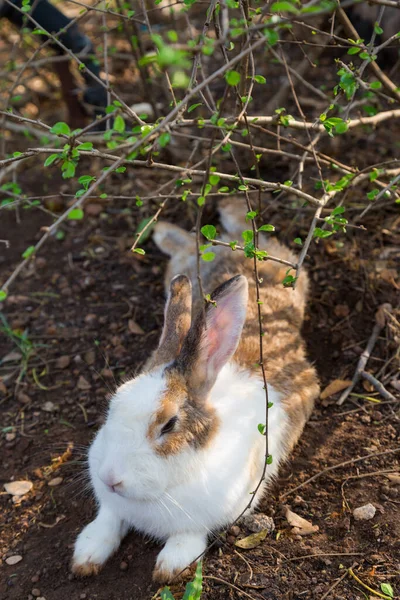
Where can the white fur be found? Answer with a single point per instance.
(184, 497)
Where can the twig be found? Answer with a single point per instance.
(364, 585)
(269, 257)
(379, 325)
(352, 461)
(377, 385)
(336, 583)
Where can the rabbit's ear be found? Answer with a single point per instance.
(177, 319)
(214, 336)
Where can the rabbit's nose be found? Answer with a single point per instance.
(111, 480)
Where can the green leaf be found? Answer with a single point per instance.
(214, 179)
(164, 139)
(223, 189)
(354, 50)
(260, 79)
(208, 256)
(194, 588)
(251, 215)
(372, 194)
(267, 228)
(50, 159)
(60, 128)
(28, 252)
(321, 233)
(68, 169)
(193, 107)
(201, 200)
(387, 589)
(76, 214)
(298, 241)
(120, 170)
(232, 78)
(209, 232)
(269, 459)
(139, 201)
(3, 295)
(139, 251)
(119, 124)
(142, 237)
(247, 236)
(283, 6)
(261, 428)
(378, 30)
(85, 146)
(166, 594)
(338, 210)
(16, 154)
(375, 85)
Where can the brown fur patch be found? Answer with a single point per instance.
(197, 422)
(85, 570)
(163, 576)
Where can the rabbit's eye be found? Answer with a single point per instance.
(168, 427)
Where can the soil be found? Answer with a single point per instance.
(92, 312)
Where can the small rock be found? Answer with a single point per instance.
(364, 513)
(83, 384)
(83, 596)
(13, 560)
(123, 566)
(231, 540)
(49, 407)
(90, 319)
(234, 530)
(135, 328)
(90, 357)
(35, 592)
(63, 362)
(40, 262)
(55, 481)
(259, 522)
(24, 398)
(10, 437)
(18, 488)
(35, 578)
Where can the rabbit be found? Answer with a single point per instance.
(180, 452)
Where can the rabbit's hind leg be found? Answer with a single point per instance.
(180, 551)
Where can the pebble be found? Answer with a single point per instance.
(55, 481)
(364, 513)
(63, 362)
(123, 566)
(49, 406)
(259, 522)
(18, 488)
(35, 592)
(13, 560)
(35, 578)
(234, 530)
(10, 437)
(83, 596)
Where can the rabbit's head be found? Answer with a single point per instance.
(159, 420)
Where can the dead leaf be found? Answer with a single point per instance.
(252, 541)
(380, 316)
(90, 357)
(334, 387)
(11, 357)
(300, 526)
(135, 328)
(83, 384)
(18, 488)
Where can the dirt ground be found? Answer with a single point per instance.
(93, 312)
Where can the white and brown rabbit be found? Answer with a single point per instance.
(180, 451)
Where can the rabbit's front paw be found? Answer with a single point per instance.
(178, 554)
(95, 544)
